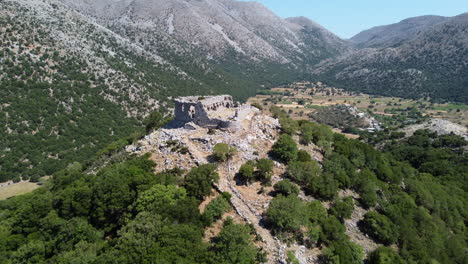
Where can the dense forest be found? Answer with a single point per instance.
(414, 191)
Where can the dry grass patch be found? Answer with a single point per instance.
(15, 189)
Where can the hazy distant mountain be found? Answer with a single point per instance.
(433, 62)
(395, 34)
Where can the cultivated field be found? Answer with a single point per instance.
(300, 99)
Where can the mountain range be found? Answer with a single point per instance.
(428, 60)
(76, 75)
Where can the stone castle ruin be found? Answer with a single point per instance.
(211, 111)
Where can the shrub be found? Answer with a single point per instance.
(264, 169)
(285, 149)
(292, 258)
(246, 172)
(215, 209)
(385, 255)
(380, 227)
(303, 172)
(343, 208)
(332, 230)
(286, 213)
(257, 105)
(303, 155)
(199, 180)
(223, 152)
(286, 188)
(343, 251)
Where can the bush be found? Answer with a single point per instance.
(385, 255)
(343, 251)
(292, 258)
(303, 172)
(285, 149)
(286, 213)
(214, 210)
(343, 208)
(257, 105)
(286, 188)
(223, 152)
(303, 155)
(380, 228)
(246, 172)
(264, 169)
(332, 230)
(199, 180)
(288, 125)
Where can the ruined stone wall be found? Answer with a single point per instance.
(204, 111)
(244, 110)
(216, 102)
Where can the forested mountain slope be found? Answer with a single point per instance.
(432, 64)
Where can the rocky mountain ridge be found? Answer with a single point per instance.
(432, 64)
(215, 29)
(397, 33)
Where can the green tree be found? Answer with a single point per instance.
(264, 169)
(286, 187)
(303, 156)
(303, 172)
(234, 244)
(155, 120)
(286, 213)
(332, 230)
(288, 125)
(315, 212)
(150, 238)
(343, 251)
(324, 187)
(199, 180)
(246, 172)
(285, 149)
(159, 197)
(380, 227)
(342, 208)
(307, 133)
(385, 255)
(215, 209)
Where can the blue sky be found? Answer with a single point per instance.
(348, 17)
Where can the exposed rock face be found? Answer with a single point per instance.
(440, 126)
(213, 28)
